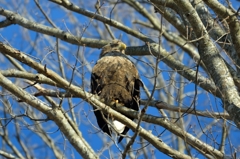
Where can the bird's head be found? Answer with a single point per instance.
(115, 45)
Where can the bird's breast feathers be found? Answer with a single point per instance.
(115, 63)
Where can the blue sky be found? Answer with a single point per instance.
(20, 38)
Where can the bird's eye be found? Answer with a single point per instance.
(114, 45)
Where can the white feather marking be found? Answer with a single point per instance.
(119, 126)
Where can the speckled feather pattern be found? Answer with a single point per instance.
(115, 77)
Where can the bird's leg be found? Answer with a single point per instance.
(117, 104)
(114, 104)
(102, 100)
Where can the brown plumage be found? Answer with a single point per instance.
(115, 79)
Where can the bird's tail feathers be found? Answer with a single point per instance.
(119, 126)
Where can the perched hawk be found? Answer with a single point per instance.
(115, 79)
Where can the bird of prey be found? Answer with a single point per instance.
(115, 79)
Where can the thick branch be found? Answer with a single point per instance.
(232, 19)
(55, 114)
(217, 68)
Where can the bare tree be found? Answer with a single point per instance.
(187, 54)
